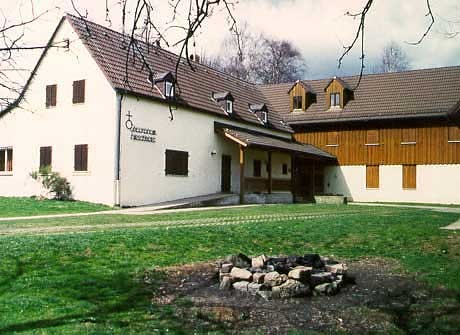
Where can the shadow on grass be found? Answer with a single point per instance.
(18, 272)
(112, 296)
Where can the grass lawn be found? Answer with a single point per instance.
(14, 207)
(91, 282)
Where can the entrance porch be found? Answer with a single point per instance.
(274, 170)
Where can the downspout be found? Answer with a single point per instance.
(118, 151)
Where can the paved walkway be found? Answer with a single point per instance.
(452, 226)
(433, 208)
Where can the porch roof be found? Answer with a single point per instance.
(256, 139)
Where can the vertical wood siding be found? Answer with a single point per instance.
(432, 146)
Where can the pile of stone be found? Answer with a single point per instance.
(283, 277)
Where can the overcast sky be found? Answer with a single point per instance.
(318, 28)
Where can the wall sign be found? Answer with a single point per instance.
(140, 134)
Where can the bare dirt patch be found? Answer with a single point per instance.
(384, 300)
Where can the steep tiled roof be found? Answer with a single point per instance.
(109, 49)
(411, 94)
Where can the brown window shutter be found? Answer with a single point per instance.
(49, 156)
(42, 157)
(9, 160)
(176, 162)
(454, 133)
(77, 158)
(409, 176)
(409, 135)
(2, 160)
(45, 156)
(372, 136)
(333, 138)
(372, 176)
(78, 91)
(53, 95)
(51, 92)
(48, 96)
(84, 157)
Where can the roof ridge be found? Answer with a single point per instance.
(356, 76)
(170, 53)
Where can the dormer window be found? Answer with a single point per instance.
(261, 111)
(229, 107)
(165, 82)
(301, 96)
(169, 89)
(335, 99)
(225, 101)
(338, 93)
(297, 102)
(264, 116)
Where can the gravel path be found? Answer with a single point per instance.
(222, 221)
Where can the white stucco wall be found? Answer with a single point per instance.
(435, 184)
(63, 126)
(143, 178)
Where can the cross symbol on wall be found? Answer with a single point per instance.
(129, 115)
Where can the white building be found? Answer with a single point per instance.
(140, 141)
(124, 131)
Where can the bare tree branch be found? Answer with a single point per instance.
(359, 33)
(430, 14)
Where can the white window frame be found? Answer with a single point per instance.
(335, 99)
(169, 89)
(5, 171)
(264, 117)
(229, 106)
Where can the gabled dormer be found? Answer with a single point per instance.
(225, 100)
(261, 111)
(301, 96)
(338, 93)
(166, 83)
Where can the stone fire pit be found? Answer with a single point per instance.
(283, 277)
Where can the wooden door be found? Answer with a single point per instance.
(226, 173)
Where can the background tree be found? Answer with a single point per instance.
(392, 59)
(259, 59)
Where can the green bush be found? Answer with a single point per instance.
(53, 182)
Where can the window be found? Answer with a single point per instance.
(263, 117)
(332, 138)
(6, 159)
(284, 169)
(45, 156)
(169, 89)
(409, 176)
(297, 102)
(335, 99)
(372, 137)
(78, 91)
(51, 91)
(229, 106)
(454, 134)
(408, 136)
(176, 163)
(81, 157)
(372, 176)
(257, 171)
